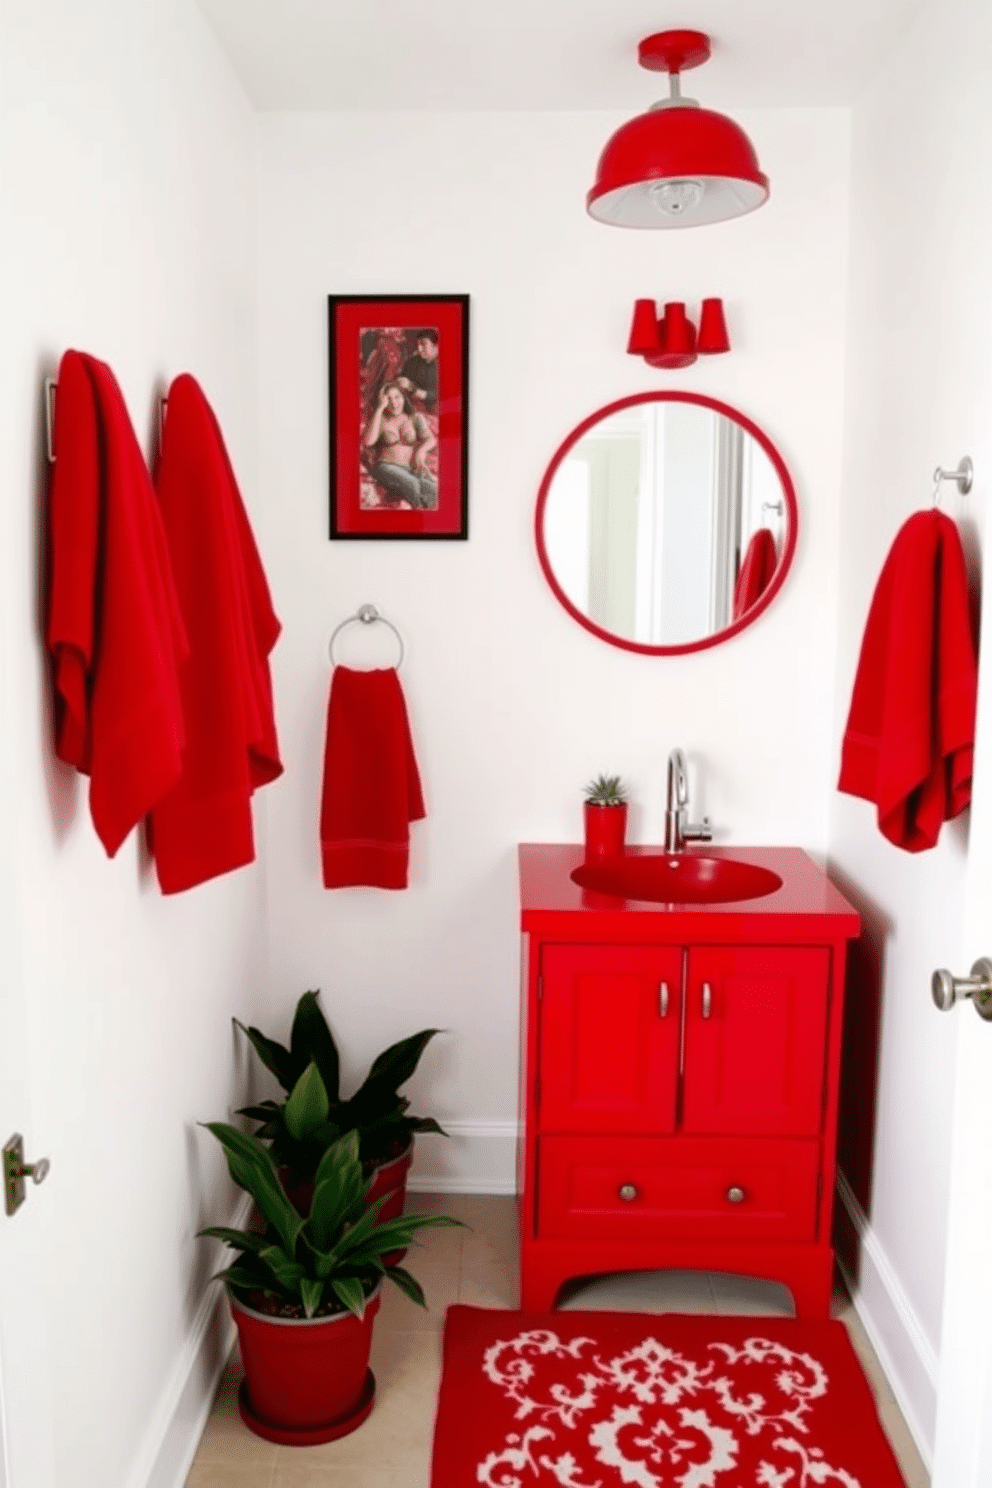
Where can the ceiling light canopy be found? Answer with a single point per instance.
(678, 165)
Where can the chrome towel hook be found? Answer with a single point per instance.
(368, 615)
(963, 476)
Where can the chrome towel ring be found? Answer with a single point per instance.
(368, 615)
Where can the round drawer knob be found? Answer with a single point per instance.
(628, 1192)
(735, 1194)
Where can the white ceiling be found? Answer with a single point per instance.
(547, 54)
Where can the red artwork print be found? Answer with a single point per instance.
(634, 1401)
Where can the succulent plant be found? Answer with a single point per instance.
(606, 790)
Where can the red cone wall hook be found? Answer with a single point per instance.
(672, 340)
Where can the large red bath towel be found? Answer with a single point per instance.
(203, 827)
(113, 626)
(911, 727)
(371, 788)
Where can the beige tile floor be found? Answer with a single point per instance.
(479, 1266)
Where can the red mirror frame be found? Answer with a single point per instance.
(788, 548)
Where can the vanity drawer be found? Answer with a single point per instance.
(650, 1187)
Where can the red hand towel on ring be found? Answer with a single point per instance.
(911, 727)
(371, 788)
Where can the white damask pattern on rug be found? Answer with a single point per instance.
(651, 1417)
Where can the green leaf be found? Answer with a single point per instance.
(408, 1284)
(336, 1246)
(287, 1272)
(247, 1275)
(273, 1055)
(307, 1105)
(311, 1293)
(312, 1039)
(252, 1168)
(349, 1290)
(263, 1112)
(341, 1156)
(396, 1064)
(238, 1239)
(395, 1234)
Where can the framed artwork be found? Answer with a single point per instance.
(398, 378)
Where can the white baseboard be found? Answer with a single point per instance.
(170, 1443)
(475, 1157)
(904, 1351)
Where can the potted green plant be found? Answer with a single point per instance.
(304, 1290)
(605, 814)
(313, 1114)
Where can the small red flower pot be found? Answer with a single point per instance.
(307, 1380)
(606, 827)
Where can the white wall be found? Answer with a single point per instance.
(919, 394)
(127, 163)
(513, 705)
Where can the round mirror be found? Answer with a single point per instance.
(666, 522)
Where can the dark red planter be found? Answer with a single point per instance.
(390, 1180)
(606, 828)
(308, 1380)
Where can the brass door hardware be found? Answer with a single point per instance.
(15, 1170)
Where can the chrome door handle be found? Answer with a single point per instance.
(663, 1000)
(947, 989)
(707, 999)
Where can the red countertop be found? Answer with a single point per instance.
(806, 908)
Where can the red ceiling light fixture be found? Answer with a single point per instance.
(678, 165)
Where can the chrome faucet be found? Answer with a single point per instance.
(677, 830)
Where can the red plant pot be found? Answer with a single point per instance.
(390, 1181)
(606, 827)
(306, 1380)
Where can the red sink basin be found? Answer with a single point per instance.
(665, 878)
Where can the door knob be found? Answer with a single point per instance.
(628, 1192)
(15, 1170)
(947, 989)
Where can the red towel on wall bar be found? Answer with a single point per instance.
(759, 564)
(908, 742)
(203, 826)
(371, 789)
(113, 626)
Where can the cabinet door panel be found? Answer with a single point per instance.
(755, 1040)
(636, 1188)
(609, 1038)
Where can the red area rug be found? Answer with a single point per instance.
(638, 1400)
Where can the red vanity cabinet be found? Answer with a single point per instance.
(679, 1080)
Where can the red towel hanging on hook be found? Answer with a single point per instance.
(911, 727)
(203, 826)
(113, 626)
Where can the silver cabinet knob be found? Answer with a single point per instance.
(735, 1194)
(628, 1192)
(947, 989)
(707, 999)
(663, 1000)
